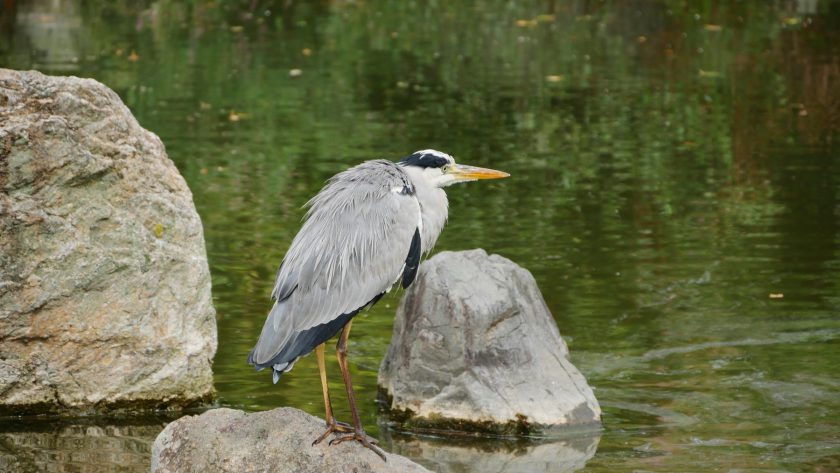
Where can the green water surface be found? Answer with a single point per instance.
(674, 189)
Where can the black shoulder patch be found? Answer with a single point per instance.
(412, 261)
(425, 160)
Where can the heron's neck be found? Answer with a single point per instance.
(434, 209)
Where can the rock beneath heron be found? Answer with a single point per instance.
(104, 283)
(476, 349)
(279, 441)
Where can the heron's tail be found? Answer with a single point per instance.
(277, 369)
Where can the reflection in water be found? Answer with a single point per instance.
(89, 445)
(51, 32)
(496, 456)
(674, 191)
(106, 445)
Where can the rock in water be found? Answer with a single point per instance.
(104, 283)
(476, 349)
(279, 441)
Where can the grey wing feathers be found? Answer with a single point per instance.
(351, 248)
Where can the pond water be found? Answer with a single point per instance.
(675, 191)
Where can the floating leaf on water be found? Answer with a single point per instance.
(792, 20)
(526, 23)
(306, 52)
(204, 105)
(545, 18)
(235, 116)
(133, 57)
(711, 27)
(554, 78)
(158, 230)
(710, 74)
(236, 29)
(295, 72)
(776, 295)
(401, 84)
(203, 170)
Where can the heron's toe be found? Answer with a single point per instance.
(362, 438)
(334, 426)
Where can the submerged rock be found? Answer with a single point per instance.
(104, 284)
(279, 441)
(476, 349)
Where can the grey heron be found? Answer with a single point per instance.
(364, 232)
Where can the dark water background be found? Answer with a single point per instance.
(675, 191)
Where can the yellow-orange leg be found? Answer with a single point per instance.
(358, 433)
(332, 425)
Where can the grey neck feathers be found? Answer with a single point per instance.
(434, 208)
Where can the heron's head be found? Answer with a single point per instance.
(440, 169)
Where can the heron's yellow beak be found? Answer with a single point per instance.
(462, 172)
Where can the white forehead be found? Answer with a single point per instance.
(435, 153)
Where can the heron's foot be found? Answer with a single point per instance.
(334, 426)
(363, 439)
(345, 438)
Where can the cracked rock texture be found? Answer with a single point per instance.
(476, 349)
(278, 441)
(104, 284)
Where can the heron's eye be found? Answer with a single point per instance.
(445, 168)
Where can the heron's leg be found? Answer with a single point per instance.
(358, 432)
(332, 425)
(322, 368)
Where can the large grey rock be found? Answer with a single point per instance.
(475, 348)
(104, 284)
(278, 441)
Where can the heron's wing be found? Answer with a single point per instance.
(353, 247)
